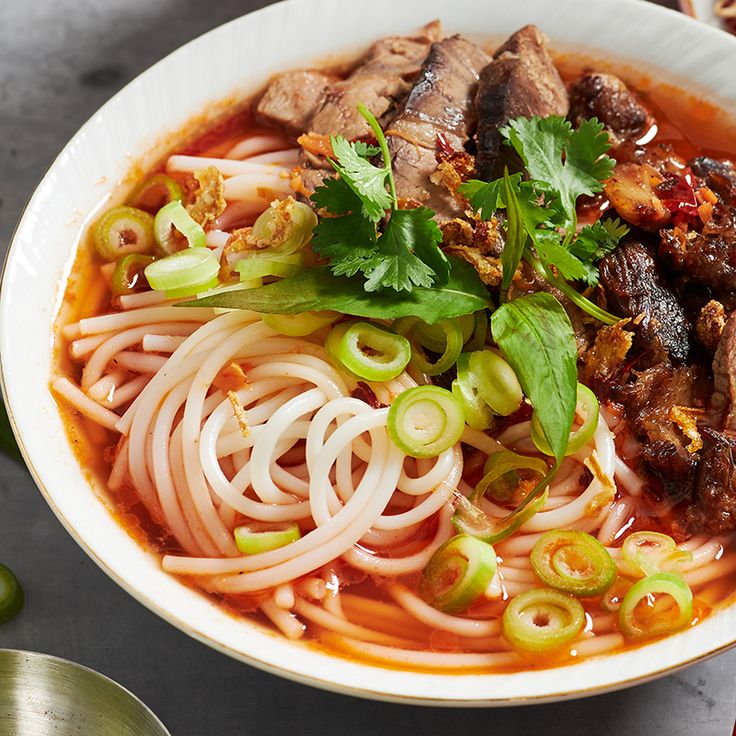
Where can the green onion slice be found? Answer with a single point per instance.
(172, 217)
(469, 519)
(373, 353)
(434, 337)
(573, 562)
(646, 553)
(285, 227)
(542, 620)
(479, 336)
(657, 605)
(11, 594)
(123, 230)
(453, 344)
(477, 413)
(495, 381)
(254, 538)
(299, 325)
(262, 264)
(184, 273)
(333, 339)
(458, 574)
(155, 192)
(501, 479)
(588, 408)
(425, 421)
(128, 275)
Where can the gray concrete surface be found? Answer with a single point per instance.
(60, 60)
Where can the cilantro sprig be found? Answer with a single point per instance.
(563, 164)
(367, 233)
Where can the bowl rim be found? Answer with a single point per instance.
(281, 668)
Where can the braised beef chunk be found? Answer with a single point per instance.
(648, 402)
(709, 325)
(713, 507)
(723, 400)
(607, 98)
(378, 82)
(718, 174)
(521, 81)
(290, 100)
(635, 288)
(707, 257)
(439, 104)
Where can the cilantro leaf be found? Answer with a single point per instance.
(594, 242)
(366, 150)
(335, 196)
(348, 242)
(541, 143)
(396, 264)
(486, 197)
(551, 252)
(366, 180)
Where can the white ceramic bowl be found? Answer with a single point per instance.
(235, 60)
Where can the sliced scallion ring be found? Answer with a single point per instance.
(262, 264)
(128, 275)
(285, 227)
(495, 381)
(657, 605)
(299, 325)
(646, 553)
(500, 477)
(434, 337)
(174, 215)
(458, 574)
(251, 539)
(588, 407)
(155, 192)
(425, 421)
(573, 562)
(479, 336)
(184, 273)
(373, 353)
(542, 620)
(123, 230)
(477, 413)
(469, 519)
(453, 344)
(11, 594)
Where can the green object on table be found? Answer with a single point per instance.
(8, 444)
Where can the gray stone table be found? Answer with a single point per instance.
(60, 60)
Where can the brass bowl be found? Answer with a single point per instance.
(42, 695)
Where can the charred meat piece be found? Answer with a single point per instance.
(635, 288)
(439, 105)
(648, 402)
(631, 191)
(607, 98)
(707, 257)
(719, 175)
(521, 81)
(723, 400)
(381, 78)
(713, 506)
(290, 100)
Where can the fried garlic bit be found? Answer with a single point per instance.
(231, 378)
(607, 494)
(239, 412)
(209, 198)
(686, 418)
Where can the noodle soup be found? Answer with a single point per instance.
(346, 437)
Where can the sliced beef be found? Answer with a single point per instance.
(607, 98)
(723, 400)
(381, 78)
(648, 402)
(713, 507)
(290, 100)
(707, 257)
(718, 174)
(521, 81)
(635, 288)
(439, 105)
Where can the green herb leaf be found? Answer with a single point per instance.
(366, 180)
(317, 289)
(486, 197)
(366, 150)
(335, 196)
(541, 142)
(548, 244)
(516, 234)
(348, 242)
(537, 339)
(596, 241)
